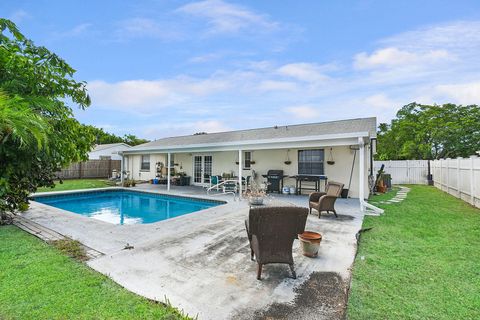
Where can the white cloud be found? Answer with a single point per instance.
(394, 57)
(76, 31)
(147, 28)
(223, 17)
(380, 101)
(458, 37)
(148, 95)
(19, 16)
(273, 85)
(210, 126)
(308, 72)
(463, 93)
(303, 111)
(184, 128)
(204, 58)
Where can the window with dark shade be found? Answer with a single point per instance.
(247, 159)
(145, 165)
(310, 161)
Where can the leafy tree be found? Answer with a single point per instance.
(102, 137)
(38, 132)
(133, 140)
(430, 132)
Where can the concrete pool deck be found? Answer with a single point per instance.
(201, 261)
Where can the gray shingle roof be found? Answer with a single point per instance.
(99, 147)
(299, 130)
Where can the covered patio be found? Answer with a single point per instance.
(292, 156)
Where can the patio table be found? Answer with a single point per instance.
(309, 178)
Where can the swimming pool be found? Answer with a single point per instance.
(126, 207)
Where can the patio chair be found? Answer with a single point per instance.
(325, 201)
(215, 180)
(271, 231)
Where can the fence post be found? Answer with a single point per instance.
(408, 169)
(441, 174)
(80, 170)
(472, 181)
(447, 161)
(458, 178)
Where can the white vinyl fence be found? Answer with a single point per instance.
(459, 177)
(405, 171)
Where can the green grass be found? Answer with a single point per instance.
(71, 248)
(421, 260)
(75, 184)
(384, 196)
(38, 282)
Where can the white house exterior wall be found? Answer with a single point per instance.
(224, 162)
(108, 152)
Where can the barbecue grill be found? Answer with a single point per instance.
(274, 180)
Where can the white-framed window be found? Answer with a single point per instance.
(145, 162)
(247, 158)
(310, 161)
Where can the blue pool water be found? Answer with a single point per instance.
(127, 207)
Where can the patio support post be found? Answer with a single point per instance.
(168, 170)
(361, 177)
(240, 174)
(122, 164)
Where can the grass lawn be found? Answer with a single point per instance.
(421, 260)
(39, 282)
(75, 184)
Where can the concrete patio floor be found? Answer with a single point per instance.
(201, 261)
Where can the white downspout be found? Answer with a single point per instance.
(364, 206)
(240, 173)
(361, 176)
(168, 171)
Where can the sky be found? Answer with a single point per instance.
(167, 68)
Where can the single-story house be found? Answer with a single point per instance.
(108, 151)
(340, 150)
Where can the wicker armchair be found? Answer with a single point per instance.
(271, 231)
(325, 201)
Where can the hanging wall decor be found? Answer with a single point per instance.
(287, 159)
(330, 157)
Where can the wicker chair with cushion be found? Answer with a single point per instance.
(325, 201)
(271, 231)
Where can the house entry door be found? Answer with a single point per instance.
(202, 169)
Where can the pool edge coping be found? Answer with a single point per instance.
(106, 189)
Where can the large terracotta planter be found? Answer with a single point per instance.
(310, 243)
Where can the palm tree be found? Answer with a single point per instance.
(18, 122)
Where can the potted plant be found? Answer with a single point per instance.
(133, 183)
(330, 160)
(287, 160)
(256, 194)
